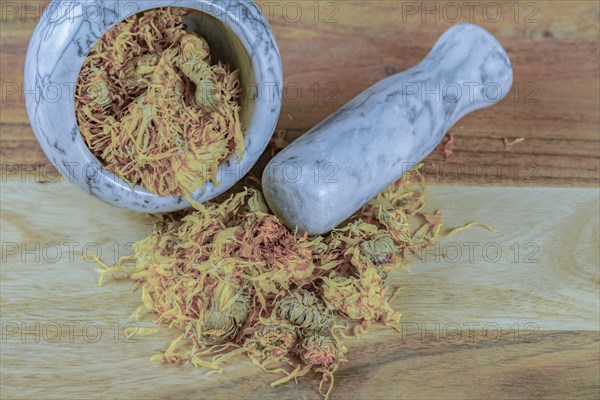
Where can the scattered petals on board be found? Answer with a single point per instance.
(233, 279)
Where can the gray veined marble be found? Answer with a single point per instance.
(239, 35)
(330, 172)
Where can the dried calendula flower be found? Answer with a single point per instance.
(226, 313)
(193, 62)
(306, 311)
(322, 351)
(233, 279)
(361, 299)
(379, 249)
(272, 339)
(325, 353)
(154, 109)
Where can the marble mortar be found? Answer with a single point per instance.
(238, 35)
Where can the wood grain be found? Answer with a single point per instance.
(524, 327)
(553, 46)
(476, 324)
(558, 365)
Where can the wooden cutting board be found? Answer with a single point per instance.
(484, 315)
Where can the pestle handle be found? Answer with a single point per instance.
(330, 172)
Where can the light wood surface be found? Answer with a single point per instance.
(529, 321)
(553, 46)
(520, 326)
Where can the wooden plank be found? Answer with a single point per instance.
(558, 365)
(544, 268)
(518, 328)
(354, 44)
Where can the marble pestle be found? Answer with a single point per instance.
(327, 174)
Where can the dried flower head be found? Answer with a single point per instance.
(306, 311)
(273, 338)
(379, 249)
(226, 313)
(322, 351)
(361, 299)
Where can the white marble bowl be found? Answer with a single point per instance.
(238, 35)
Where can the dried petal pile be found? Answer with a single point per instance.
(231, 276)
(153, 109)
